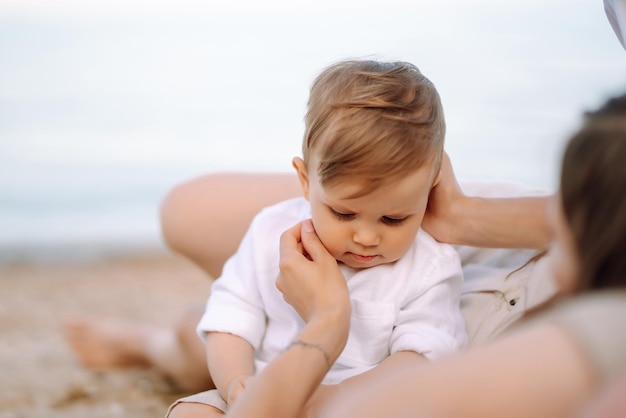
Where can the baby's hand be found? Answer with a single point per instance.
(236, 387)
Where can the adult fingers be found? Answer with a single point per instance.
(290, 240)
(311, 243)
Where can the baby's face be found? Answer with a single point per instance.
(373, 229)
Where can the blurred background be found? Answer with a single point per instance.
(105, 105)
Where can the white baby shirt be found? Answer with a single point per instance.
(410, 305)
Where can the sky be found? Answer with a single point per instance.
(77, 8)
(105, 105)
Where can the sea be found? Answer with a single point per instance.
(107, 105)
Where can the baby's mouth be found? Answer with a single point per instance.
(363, 258)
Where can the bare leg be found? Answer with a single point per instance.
(205, 219)
(104, 344)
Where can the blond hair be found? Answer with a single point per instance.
(375, 120)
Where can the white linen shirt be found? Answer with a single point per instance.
(412, 304)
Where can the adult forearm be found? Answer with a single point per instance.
(393, 364)
(456, 218)
(298, 371)
(500, 222)
(538, 373)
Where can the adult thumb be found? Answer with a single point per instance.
(311, 242)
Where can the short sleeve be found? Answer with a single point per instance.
(235, 305)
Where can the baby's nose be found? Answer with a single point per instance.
(366, 237)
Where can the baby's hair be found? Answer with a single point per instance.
(374, 120)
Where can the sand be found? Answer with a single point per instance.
(39, 376)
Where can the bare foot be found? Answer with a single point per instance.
(101, 344)
(177, 352)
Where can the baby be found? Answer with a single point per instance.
(372, 151)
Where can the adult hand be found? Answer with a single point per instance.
(310, 279)
(439, 219)
(455, 218)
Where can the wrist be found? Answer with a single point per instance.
(329, 330)
(232, 383)
(234, 380)
(335, 319)
(318, 347)
(465, 216)
(457, 226)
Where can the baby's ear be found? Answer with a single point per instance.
(301, 168)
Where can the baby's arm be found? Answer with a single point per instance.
(316, 288)
(231, 363)
(234, 321)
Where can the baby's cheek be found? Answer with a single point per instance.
(330, 242)
(401, 244)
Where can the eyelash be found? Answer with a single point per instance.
(342, 216)
(393, 221)
(386, 220)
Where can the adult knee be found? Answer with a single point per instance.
(172, 217)
(186, 330)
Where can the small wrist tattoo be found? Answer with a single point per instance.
(316, 346)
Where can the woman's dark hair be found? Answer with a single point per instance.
(593, 195)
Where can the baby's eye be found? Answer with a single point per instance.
(342, 216)
(393, 221)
